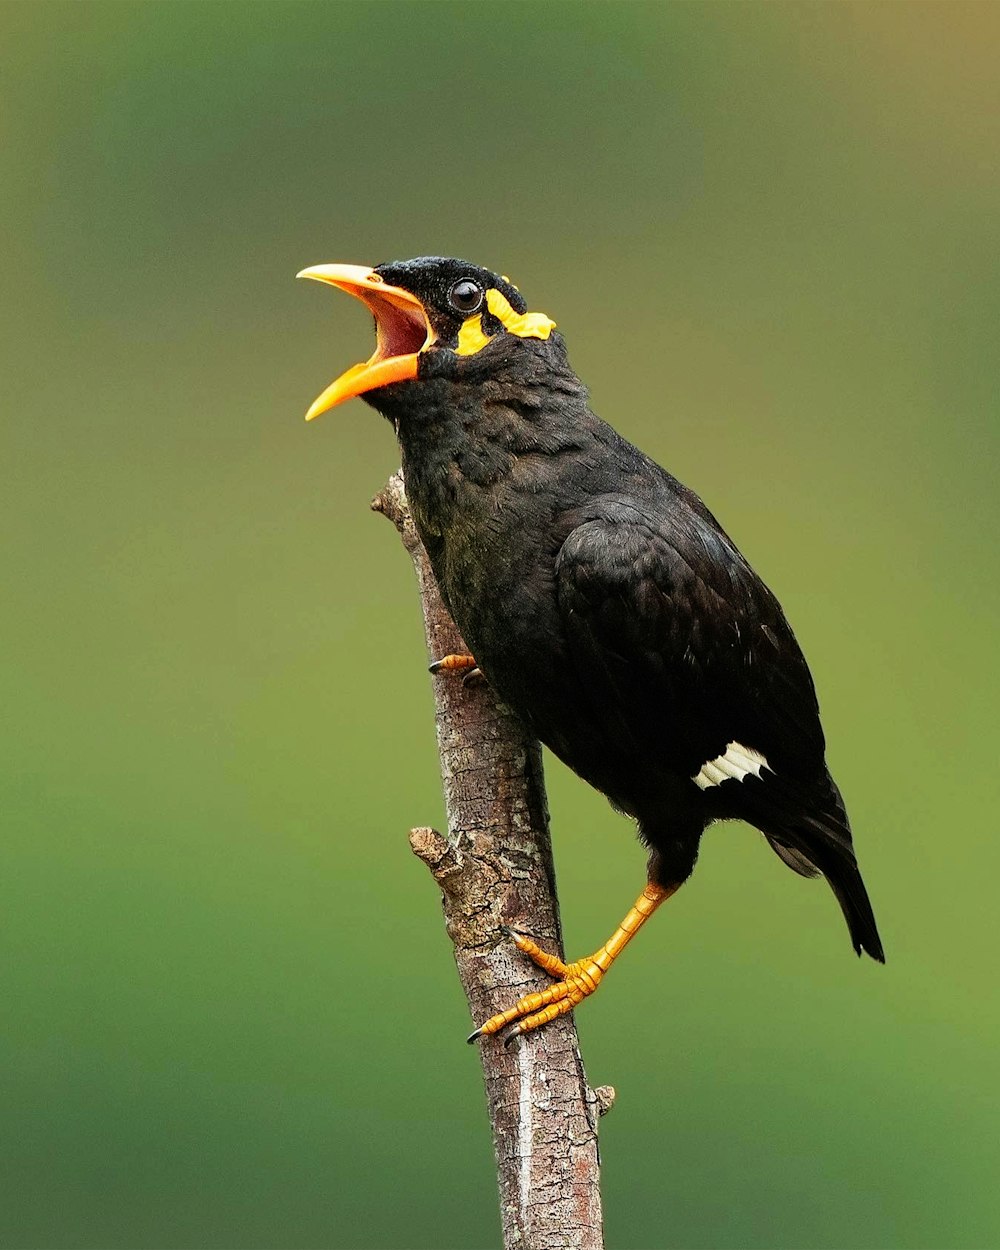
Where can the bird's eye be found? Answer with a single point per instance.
(466, 295)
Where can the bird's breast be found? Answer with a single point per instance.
(493, 547)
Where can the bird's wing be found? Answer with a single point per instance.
(690, 665)
(682, 644)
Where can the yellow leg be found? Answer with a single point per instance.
(578, 979)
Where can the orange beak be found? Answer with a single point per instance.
(402, 331)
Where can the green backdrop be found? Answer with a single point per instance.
(768, 233)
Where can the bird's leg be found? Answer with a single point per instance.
(577, 979)
(463, 666)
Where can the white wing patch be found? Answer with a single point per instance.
(736, 764)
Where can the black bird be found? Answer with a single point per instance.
(600, 597)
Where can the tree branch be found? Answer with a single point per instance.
(494, 869)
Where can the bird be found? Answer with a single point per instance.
(599, 598)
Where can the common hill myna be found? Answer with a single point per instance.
(600, 598)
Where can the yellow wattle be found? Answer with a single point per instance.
(472, 339)
(525, 325)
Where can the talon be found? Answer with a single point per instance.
(474, 678)
(576, 981)
(508, 1035)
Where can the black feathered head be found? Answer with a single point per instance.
(429, 314)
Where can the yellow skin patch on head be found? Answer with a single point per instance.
(471, 338)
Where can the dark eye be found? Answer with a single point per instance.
(466, 295)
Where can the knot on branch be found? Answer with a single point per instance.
(438, 854)
(391, 502)
(604, 1097)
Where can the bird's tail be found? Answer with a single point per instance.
(820, 842)
(846, 883)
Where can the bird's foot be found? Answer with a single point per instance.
(577, 981)
(463, 666)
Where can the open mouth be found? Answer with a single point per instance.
(402, 332)
(400, 329)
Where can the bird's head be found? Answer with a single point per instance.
(434, 318)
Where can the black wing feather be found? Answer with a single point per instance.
(684, 650)
(686, 639)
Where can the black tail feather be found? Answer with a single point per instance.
(810, 834)
(846, 883)
(842, 872)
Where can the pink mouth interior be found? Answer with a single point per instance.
(399, 329)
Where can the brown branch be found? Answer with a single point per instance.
(494, 869)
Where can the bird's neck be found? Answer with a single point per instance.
(477, 436)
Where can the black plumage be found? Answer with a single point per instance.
(602, 599)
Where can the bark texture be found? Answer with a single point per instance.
(495, 868)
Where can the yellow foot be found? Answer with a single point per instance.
(463, 666)
(576, 980)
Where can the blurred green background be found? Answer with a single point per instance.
(769, 234)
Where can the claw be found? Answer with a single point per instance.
(509, 1033)
(575, 981)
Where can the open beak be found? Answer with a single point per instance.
(402, 331)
